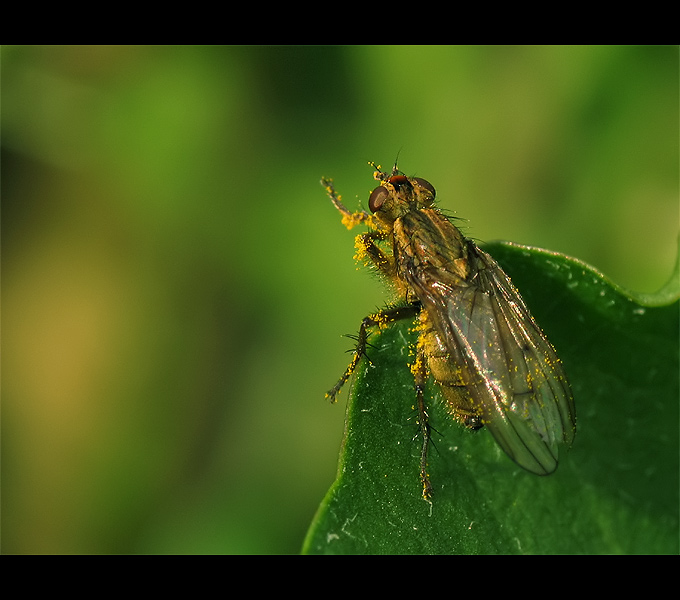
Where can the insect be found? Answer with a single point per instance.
(477, 339)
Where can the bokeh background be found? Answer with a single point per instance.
(175, 282)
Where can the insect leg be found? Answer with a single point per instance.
(380, 319)
(369, 252)
(420, 375)
(367, 248)
(349, 218)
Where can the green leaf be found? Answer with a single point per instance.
(615, 491)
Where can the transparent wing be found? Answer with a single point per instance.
(509, 367)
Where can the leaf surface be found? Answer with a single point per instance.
(615, 490)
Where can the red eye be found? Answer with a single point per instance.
(398, 180)
(377, 197)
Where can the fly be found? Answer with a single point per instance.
(477, 339)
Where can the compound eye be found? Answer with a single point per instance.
(377, 197)
(426, 185)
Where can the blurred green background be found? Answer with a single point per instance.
(175, 282)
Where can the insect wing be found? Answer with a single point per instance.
(510, 369)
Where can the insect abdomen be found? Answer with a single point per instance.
(443, 369)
